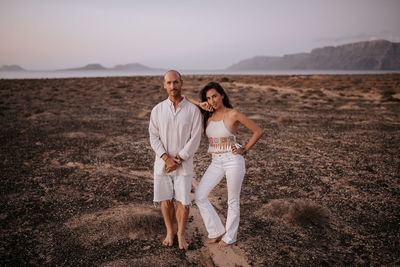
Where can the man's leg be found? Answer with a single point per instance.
(182, 186)
(168, 210)
(182, 214)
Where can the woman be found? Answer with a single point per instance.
(220, 124)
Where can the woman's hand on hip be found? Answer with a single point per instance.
(237, 150)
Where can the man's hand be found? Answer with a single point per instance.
(170, 163)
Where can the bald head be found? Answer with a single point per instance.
(173, 84)
(173, 73)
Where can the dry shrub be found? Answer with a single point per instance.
(387, 92)
(300, 211)
(278, 207)
(284, 120)
(111, 225)
(273, 90)
(150, 222)
(305, 212)
(284, 96)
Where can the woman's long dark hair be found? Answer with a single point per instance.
(203, 92)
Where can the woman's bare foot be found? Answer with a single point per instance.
(215, 239)
(169, 240)
(222, 244)
(182, 243)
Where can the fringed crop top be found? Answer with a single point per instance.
(219, 137)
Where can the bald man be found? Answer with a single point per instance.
(175, 132)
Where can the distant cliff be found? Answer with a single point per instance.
(372, 55)
(11, 68)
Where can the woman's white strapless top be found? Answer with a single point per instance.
(219, 137)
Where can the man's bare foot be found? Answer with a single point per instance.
(182, 243)
(169, 240)
(215, 239)
(222, 244)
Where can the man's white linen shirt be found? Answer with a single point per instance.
(175, 132)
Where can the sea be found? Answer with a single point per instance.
(113, 73)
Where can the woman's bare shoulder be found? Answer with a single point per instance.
(234, 113)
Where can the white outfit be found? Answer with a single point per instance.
(220, 139)
(167, 187)
(233, 167)
(174, 132)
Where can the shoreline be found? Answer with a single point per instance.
(23, 75)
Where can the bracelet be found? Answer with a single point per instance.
(244, 152)
(179, 160)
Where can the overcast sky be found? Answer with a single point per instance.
(186, 34)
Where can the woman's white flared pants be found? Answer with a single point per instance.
(233, 167)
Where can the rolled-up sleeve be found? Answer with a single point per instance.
(154, 133)
(195, 136)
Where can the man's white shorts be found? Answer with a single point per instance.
(172, 186)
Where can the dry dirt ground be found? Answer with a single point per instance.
(321, 187)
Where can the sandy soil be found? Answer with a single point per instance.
(321, 187)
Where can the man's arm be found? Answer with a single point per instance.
(154, 133)
(156, 144)
(195, 136)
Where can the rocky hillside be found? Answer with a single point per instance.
(132, 67)
(126, 67)
(372, 55)
(11, 68)
(89, 67)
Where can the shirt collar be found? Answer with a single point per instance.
(170, 103)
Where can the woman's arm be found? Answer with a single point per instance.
(249, 124)
(202, 105)
(191, 100)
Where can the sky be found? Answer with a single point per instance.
(186, 34)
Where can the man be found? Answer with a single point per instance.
(175, 133)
